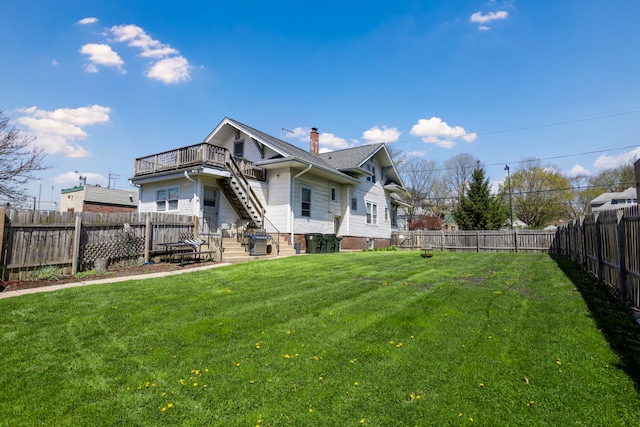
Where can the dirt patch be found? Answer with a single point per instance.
(13, 285)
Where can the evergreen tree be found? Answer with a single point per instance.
(478, 209)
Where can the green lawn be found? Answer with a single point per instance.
(346, 339)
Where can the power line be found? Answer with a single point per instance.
(535, 159)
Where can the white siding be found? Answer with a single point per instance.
(320, 221)
(367, 191)
(278, 206)
(186, 200)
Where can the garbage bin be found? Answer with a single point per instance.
(314, 243)
(297, 246)
(329, 242)
(336, 247)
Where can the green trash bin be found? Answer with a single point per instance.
(323, 244)
(314, 243)
(330, 242)
(336, 247)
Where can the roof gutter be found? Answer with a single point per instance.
(292, 198)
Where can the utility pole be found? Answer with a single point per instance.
(509, 184)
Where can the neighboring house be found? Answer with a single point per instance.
(607, 201)
(243, 178)
(449, 222)
(89, 198)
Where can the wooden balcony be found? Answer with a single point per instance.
(192, 156)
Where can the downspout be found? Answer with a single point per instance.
(292, 198)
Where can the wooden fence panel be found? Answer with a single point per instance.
(609, 255)
(478, 241)
(632, 256)
(32, 240)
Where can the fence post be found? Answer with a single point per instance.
(596, 227)
(147, 237)
(621, 256)
(478, 241)
(3, 213)
(76, 244)
(583, 239)
(515, 239)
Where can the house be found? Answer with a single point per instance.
(242, 178)
(607, 201)
(449, 222)
(92, 198)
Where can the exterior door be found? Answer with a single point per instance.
(210, 210)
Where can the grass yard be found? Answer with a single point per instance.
(345, 339)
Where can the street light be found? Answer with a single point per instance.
(509, 186)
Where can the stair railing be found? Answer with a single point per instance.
(252, 198)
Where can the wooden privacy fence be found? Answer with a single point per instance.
(31, 240)
(516, 240)
(606, 244)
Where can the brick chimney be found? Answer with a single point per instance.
(315, 140)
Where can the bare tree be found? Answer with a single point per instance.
(420, 178)
(19, 159)
(459, 171)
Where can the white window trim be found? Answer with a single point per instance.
(372, 213)
(167, 200)
(333, 195)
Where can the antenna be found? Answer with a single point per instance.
(284, 132)
(114, 177)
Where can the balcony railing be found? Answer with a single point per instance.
(195, 155)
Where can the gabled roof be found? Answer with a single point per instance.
(338, 162)
(629, 193)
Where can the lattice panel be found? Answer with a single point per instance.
(120, 248)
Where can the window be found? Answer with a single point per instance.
(354, 204)
(373, 171)
(210, 197)
(386, 214)
(334, 194)
(238, 148)
(368, 170)
(372, 213)
(305, 200)
(394, 216)
(167, 199)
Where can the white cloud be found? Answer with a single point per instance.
(101, 54)
(436, 131)
(170, 67)
(384, 134)
(87, 21)
(330, 142)
(54, 62)
(491, 16)
(579, 170)
(72, 179)
(135, 36)
(411, 154)
(57, 130)
(171, 70)
(483, 28)
(299, 133)
(607, 162)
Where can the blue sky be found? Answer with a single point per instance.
(103, 82)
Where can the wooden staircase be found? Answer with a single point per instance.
(241, 196)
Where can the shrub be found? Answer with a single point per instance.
(49, 272)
